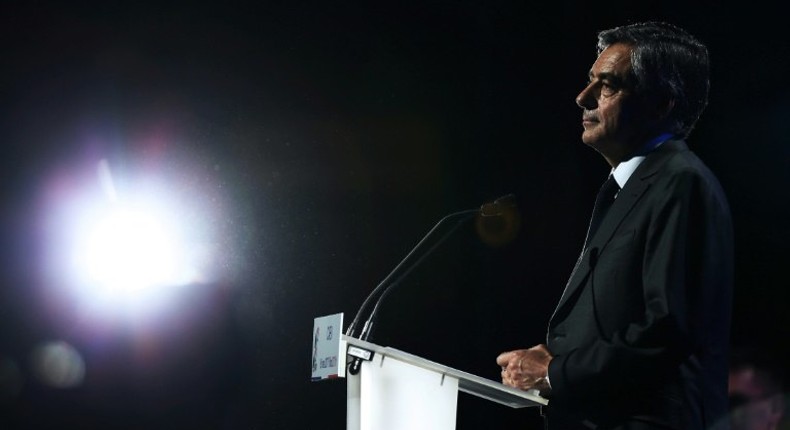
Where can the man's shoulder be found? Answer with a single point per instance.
(684, 173)
(678, 159)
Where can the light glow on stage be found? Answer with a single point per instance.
(129, 253)
(126, 251)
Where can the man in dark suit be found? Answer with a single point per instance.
(639, 339)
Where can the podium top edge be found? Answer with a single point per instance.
(472, 384)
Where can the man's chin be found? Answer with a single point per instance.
(590, 140)
(600, 146)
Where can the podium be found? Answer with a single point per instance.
(395, 390)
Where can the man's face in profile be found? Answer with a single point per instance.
(615, 119)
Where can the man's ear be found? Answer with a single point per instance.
(658, 106)
(657, 109)
(664, 106)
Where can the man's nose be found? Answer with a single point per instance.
(586, 98)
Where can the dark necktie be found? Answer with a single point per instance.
(603, 201)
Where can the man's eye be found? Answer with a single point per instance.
(608, 88)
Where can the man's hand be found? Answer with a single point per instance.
(526, 368)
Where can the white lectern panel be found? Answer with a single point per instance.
(389, 394)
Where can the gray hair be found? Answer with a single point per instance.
(667, 62)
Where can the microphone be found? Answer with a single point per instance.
(498, 206)
(491, 209)
(499, 222)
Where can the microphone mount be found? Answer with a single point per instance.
(495, 208)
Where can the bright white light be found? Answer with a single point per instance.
(127, 251)
(130, 252)
(131, 256)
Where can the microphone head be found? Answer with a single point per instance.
(499, 221)
(498, 206)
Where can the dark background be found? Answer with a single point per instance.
(331, 136)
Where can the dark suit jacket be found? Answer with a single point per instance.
(640, 336)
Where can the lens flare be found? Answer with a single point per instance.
(58, 365)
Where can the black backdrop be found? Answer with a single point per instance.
(332, 136)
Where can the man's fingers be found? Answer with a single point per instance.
(504, 358)
(525, 368)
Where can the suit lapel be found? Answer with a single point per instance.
(634, 189)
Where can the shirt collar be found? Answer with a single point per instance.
(625, 169)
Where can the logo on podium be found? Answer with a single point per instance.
(326, 347)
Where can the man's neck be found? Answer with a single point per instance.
(641, 149)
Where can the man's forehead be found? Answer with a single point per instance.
(614, 60)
